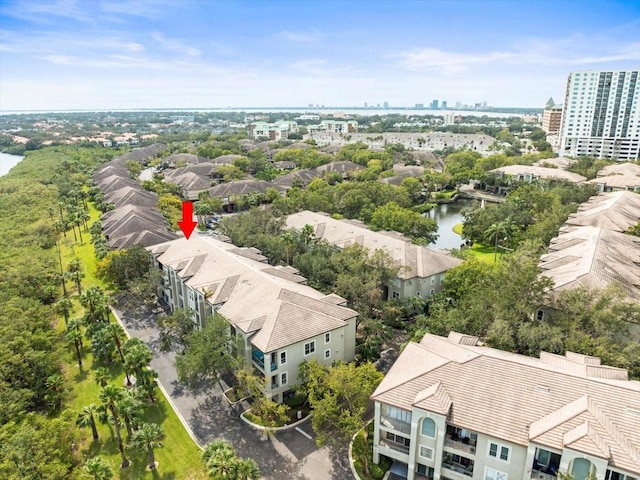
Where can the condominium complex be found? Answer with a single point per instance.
(601, 115)
(452, 409)
(273, 131)
(281, 321)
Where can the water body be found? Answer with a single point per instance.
(7, 162)
(446, 216)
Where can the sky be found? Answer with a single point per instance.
(117, 54)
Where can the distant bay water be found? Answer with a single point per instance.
(8, 161)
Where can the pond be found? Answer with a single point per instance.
(446, 216)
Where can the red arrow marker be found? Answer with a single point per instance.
(187, 224)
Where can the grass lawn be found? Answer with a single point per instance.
(180, 456)
(478, 250)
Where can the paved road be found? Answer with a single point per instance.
(207, 416)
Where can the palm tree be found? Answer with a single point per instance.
(77, 277)
(64, 307)
(220, 460)
(98, 469)
(75, 337)
(148, 438)
(110, 395)
(247, 469)
(498, 231)
(86, 418)
(95, 300)
(118, 333)
(137, 357)
(289, 241)
(149, 383)
(130, 409)
(102, 376)
(55, 390)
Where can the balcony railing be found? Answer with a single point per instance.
(394, 424)
(458, 468)
(258, 358)
(398, 447)
(460, 445)
(538, 475)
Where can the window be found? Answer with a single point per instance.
(398, 439)
(398, 414)
(433, 280)
(283, 358)
(491, 474)
(540, 315)
(395, 295)
(428, 428)
(310, 347)
(426, 452)
(499, 451)
(283, 378)
(327, 354)
(431, 291)
(327, 337)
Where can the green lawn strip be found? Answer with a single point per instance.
(180, 456)
(484, 252)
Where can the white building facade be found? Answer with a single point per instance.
(450, 409)
(601, 116)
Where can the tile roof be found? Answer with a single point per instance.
(624, 168)
(541, 172)
(416, 261)
(132, 196)
(519, 398)
(618, 181)
(615, 211)
(240, 187)
(254, 296)
(593, 257)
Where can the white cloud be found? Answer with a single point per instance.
(299, 36)
(175, 45)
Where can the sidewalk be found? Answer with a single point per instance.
(207, 416)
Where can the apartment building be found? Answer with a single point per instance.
(422, 271)
(335, 126)
(552, 118)
(281, 321)
(451, 409)
(601, 115)
(273, 131)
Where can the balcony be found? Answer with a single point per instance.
(458, 464)
(464, 445)
(398, 447)
(258, 359)
(394, 424)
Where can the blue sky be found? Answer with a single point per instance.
(100, 54)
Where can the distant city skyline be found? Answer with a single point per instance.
(66, 54)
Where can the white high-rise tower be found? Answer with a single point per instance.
(601, 116)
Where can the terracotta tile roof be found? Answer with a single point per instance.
(416, 261)
(254, 295)
(519, 398)
(593, 257)
(615, 211)
(541, 172)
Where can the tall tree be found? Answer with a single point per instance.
(148, 438)
(110, 396)
(339, 396)
(64, 307)
(86, 418)
(74, 337)
(208, 353)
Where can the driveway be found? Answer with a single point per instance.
(207, 416)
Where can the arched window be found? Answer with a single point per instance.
(580, 468)
(428, 428)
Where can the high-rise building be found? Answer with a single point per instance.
(419, 106)
(458, 105)
(601, 116)
(552, 117)
(434, 105)
(444, 105)
(385, 105)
